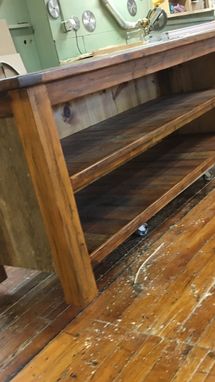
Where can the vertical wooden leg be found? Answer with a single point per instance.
(38, 133)
(3, 274)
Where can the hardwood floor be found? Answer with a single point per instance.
(153, 321)
(32, 312)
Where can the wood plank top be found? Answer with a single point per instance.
(98, 63)
(103, 147)
(112, 208)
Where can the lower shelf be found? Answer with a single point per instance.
(112, 208)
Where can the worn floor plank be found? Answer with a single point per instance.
(162, 329)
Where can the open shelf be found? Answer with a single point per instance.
(99, 149)
(188, 13)
(190, 6)
(112, 208)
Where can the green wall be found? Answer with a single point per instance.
(45, 44)
(43, 35)
(16, 12)
(107, 31)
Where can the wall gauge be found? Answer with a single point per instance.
(132, 7)
(89, 21)
(53, 8)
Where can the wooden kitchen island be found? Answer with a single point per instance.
(90, 151)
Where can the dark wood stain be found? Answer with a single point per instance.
(163, 332)
(112, 208)
(99, 149)
(3, 274)
(195, 45)
(140, 166)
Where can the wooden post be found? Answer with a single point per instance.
(3, 274)
(38, 133)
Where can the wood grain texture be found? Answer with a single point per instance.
(100, 149)
(103, 78)
(25, 291)
(203, 43)
(123, 335)
(5, 108)
(38, 134)
(192, 75)
(108, 217)
(23, 240)
(34, 301)
(201, 125)
(89, 110)
(112, 208)
(189, 76)
(3, 274)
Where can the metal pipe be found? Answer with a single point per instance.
(126, 25)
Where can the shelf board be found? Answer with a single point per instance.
(190, 13)
(112, 208)
(21, 26)
(99, 149)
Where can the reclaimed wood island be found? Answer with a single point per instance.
(91, 150)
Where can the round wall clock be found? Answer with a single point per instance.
(132, 7)
(89, 21)
(53, 8)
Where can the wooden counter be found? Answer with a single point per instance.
(92, 150)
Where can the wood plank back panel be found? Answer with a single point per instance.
(22, 233)
(81, 113)
(193, 75)
(99, 149)
(197, 75)
(201, 125)
(38, 134)
(113, 207)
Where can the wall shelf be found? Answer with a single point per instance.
(20, 26)
(189, 13)
(190, 7)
